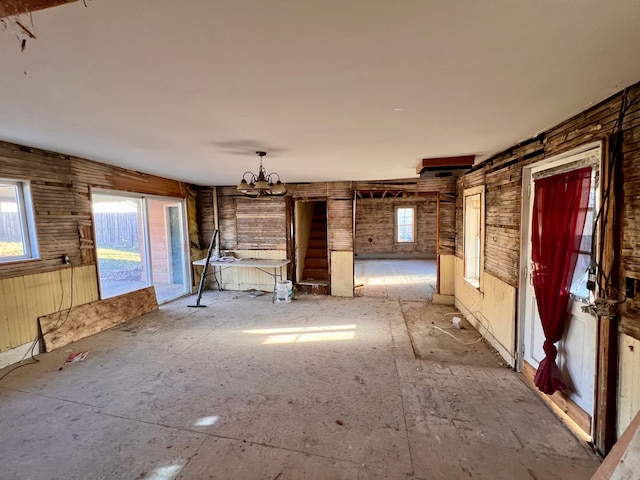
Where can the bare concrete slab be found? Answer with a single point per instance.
(320, 388)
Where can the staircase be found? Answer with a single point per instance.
(316, 265)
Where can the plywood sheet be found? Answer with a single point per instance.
(62, 328)
(342, 274)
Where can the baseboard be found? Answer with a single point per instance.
(17, 354)
(393, 256)
(560, 400)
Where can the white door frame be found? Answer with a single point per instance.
(527, 173)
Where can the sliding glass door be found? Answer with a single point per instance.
(141, 241)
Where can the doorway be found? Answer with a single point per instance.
(140, 241)
(311, 252)
(395, 245)
(578, 346)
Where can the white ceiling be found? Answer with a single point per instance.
(189, 89)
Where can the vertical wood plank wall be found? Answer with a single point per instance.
(238, 232)
(502, 177)
(61, 193)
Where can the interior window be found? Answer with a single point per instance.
(405, 221)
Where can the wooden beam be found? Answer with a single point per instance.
(443, 162)
(9, 8)
(607, 359)
(614, 460)
(290, 240)
(437, 242)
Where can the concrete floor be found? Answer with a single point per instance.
(404, 279)
(320, 388)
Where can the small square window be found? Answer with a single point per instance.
(17, 228)
(405, 224)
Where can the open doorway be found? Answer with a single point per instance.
(395, 245)
(312, 262)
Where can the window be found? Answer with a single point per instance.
(581, 272)
(473, 234)
(17, 228)
(405, 221)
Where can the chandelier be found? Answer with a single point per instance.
(262, 183)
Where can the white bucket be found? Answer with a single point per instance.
(284, 291)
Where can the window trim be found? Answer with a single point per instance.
(396, 233)
(475, 282)
(26, 214)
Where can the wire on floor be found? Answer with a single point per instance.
(58, 326)
(456, 339)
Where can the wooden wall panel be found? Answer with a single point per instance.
(260, 223)
(60, 189)
(341, 274)
(61, 192)
(28, 297)
(447, 224)
(375, 220)
(227, 218)
(60, 329)
(340, 224)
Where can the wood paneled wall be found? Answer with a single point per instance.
(251, 223)
(260, 223)
(27, 297)
(502, 176)
(340, 224)
(61, 193)
(375, 220)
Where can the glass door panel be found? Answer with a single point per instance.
(167, 247)
(119, 226)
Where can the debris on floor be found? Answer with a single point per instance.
(253, 293)
(77, 357)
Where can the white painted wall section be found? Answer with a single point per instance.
(491, 310)
(629, 382)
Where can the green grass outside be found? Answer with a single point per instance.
(14, 249)
(11, 249)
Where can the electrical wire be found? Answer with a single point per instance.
(57, 327)
(602, 216)
(35, 360)
(456, 339)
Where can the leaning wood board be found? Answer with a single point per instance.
(59, 330)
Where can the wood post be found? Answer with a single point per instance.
(607, 358)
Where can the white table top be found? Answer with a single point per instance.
(246, 262)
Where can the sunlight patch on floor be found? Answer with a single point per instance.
(323, 333)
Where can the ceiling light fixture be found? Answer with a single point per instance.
(262, 183)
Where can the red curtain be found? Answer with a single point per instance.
(560, 206)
